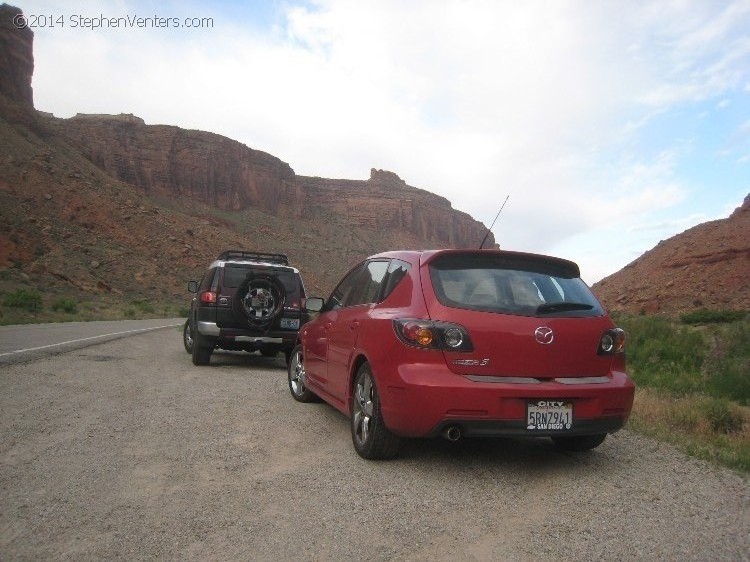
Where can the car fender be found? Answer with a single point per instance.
(379, 353)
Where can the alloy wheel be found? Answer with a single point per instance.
(297, 374)
(363, 408)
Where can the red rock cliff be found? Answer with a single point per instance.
(16, 67)
(171, 161)
(167, 160)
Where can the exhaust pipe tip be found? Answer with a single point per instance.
(452, 433)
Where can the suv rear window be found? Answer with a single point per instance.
(523, 286)
(234, 275)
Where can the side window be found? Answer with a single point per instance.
(361, 286)
(342, 294)
(396, 272)
(371, 281)
(207, 281)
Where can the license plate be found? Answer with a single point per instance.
(290, 323)
(549, 415)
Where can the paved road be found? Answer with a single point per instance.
(124, 450)
(31, 341)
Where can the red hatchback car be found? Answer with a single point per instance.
(464, 343)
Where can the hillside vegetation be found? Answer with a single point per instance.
(693, 383)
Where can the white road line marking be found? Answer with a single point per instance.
(86, 339)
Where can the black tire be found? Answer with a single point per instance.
(203, 347)
(296, 376)
(187, 336)
(260, 299)
(268, 352)
(579, 443)
(371, 438)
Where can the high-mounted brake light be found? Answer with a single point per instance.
(427, 334)
(612, 342)
(208, 297)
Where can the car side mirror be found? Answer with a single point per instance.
(314, 304)
(193, 286)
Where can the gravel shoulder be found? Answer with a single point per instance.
(125, 450)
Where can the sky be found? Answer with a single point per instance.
(608, 125)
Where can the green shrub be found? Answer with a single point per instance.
(705, 316)
(728, 367)
(664, 356)
(66, 305)
(144, 306)
(26, 299)
(722, 417)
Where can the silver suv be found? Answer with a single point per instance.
(251, 301)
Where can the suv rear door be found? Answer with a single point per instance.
(233, 275)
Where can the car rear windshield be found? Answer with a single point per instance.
(234, 275)
(512, 285)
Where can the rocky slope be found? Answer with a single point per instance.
(707, 266)
(107, 208)
(169, 161)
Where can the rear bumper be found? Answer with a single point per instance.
(246, 337)
(422, 400)
(517, 428)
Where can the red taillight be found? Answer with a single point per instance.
(208, 297)
(612, 342)
(418, 333)
(429, 334)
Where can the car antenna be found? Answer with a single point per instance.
(493, 222)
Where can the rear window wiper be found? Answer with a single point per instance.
(552, 307)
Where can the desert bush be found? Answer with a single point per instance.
(705, 316)
(710, 428)
(144, 306)
(727, 369)
(66, 305)
(26, 299)
(722, 416)
(664, 355)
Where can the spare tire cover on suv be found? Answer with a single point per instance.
(260, 298)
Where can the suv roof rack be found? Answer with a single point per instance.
(282, 259)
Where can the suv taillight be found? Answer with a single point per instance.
(208, 297)
(427, 334)
(612, 342)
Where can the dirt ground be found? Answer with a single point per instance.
(125, 450)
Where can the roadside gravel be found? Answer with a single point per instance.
(125, 450)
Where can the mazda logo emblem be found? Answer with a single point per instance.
(544, 335)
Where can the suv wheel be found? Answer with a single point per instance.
(203, 347)
(187, 336)
(261, 299)
(371, 438)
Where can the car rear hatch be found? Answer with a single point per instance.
(526, 316)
